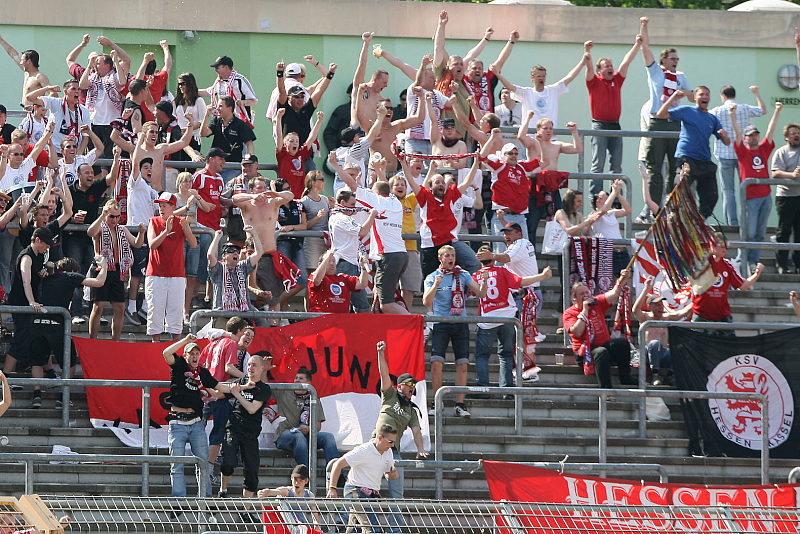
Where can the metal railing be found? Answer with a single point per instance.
(67, 340)
(30, 458)
(147, 385)
(743, 215)
(603, 395)
(195, 164)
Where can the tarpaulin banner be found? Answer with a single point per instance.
(339, 349)
(765, 364)
(626, 503)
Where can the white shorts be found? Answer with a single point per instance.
(165, 296)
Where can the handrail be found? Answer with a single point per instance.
(588, 176)
(67, 356)
(603, 395)
(195, 164)
(147, 385)
(743, 197)
(29, 458)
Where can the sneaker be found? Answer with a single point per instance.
(222, 494)
(186, 320)
(103, 321)
(79, 319)
(15, 387)
(213, 478)
(50, 373)
(132, 318)
(142, 316)
(461, 411)
(531, 374)
(37, 401)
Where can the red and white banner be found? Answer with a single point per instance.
(646, 266)
(523, 483)
(339, 349)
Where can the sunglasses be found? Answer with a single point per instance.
(70, 146)
(319, 179)
(409, 383)
(114, 216)
(514, 153)
(181, 83)
(301, 95)
(389, 441)
(16, 153)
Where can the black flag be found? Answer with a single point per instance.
(766, 364)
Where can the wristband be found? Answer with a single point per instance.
(280, 74)
(512, 42)
(316, 64)
(329, 75)
(332, 487)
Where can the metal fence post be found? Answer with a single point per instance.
(205, 473)
(29, 477)
(145, 440)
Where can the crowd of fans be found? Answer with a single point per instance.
(227, 238)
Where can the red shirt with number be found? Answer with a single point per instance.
(597, 318)
(210, 186)
(292, 169)
(498, 302)
(713, 304)
(167, 260)
(753, 164)
(511, 185)
(333, 294)
(438, 219)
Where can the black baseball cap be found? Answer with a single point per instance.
(44, 235)
(448, 123)
(222, 60)
(230, 247)
(166, 107)
(348, 134)
(512, 226)
(217, 152)
(405, 378)
(250, 158)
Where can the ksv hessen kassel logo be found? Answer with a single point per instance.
(740, 420)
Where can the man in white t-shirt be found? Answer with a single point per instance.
(69, 163)
(69, 115)
(348, 224)
(386, 245)
(15, 167)
(542, 99)
(369, 463)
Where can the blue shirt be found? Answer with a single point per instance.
(655, 82)
(443, 300)
(696, 127)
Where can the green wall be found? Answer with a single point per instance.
(255, 56)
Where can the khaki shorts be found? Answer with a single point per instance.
(411, 279)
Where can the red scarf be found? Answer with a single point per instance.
(239, 109)
(585, 349)
(194, 374)
(480, 90)
(285, 270)
(670, 84)
(457, 300)
(528, 316)
(74, 124)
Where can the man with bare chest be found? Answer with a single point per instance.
(389, 130)
(33, 78)
(364, 107)
(260, 210)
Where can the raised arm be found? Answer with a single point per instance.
(322, 87)
(122, 56)
(280, 82)
(6, 404)
(440, 55)
(489, 142)
(612, 294)
(577, 143)
(773, 121)
(312, 136)
(12, 52)
(35, 96)
(476, 50)
(529, 142)
(403, 67)
(572, 74)
(75, 52)
(83, 83)
(507, 84)
(87, 132)
(737, 132)
(417, 116)
(361, 70)
(279, 113)
(626, 61)
(647, 54)
(169, 352)
(638, 304)
(41, 143)
(211, 255)
(375, 129)
(99, 279)
(167, 55)
(467, 182)
(648, 200)
(506, 51)
(147, 58)
(407, 175)
(319, 273)
(587, 60)
(663, 111)
(183, 142)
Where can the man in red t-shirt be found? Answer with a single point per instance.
(586, 323)
(605, 101)
(753, 154)
(712, 305)
(165, 284)
(291, 155)
(437, 211)
(328, 291)
(510, 184)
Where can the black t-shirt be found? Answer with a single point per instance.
(231, 138)
(57, 290)
(183, 389)
(171, 133)
(88, 200)
(289, 214)
(298, 121)
(242, 421)
(56, 252)
(5, 133)
(16, 296)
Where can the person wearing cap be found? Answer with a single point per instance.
(697, 124)
(232, 136)
(292, 433)
(25, 291)
(229, 276)
(353, 154)
(510, 183)
(499, 302)
(298, 490)
(230, 83)
(165, 284)
(592, 344)
(191, 385)
(753, 154)
(657, 339)
(291, 154)
(170, 132)
(399, 412)
(364, 112)
(8, 212)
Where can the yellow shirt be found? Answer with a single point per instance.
(410, 204)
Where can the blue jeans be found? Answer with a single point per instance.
(510, 218)
(179, 436)
(196, 259)
(465, 256)
(536, 213)
(758, 210)
(727, 177)
(358, 299)
(599, 147)
(364, 512)
(658, 356)
(297, 443)
(395, 491)
(484, 345)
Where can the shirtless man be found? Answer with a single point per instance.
(389, 129)
(149, 149)
(364, 106)
(550, 151)
(28, 61)
(448, 142)
(260, 210)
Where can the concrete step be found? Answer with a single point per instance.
(458, 444)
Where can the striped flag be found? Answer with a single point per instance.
(647, 265)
